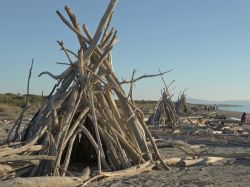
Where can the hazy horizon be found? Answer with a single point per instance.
(206, 43)
(193, 100)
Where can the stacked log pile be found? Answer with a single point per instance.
(80, 120)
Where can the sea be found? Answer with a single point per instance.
(236, 108)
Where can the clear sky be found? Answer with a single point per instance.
(206, 43)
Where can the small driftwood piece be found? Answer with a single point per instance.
(26, 158)
(42, 182)
(228, 155)
(13, 134)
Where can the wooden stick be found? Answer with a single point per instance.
(100, 150)
(107, 26)
(68, 154)
(76, 28)
(65, 123)
(147, 166)
(111, 151)
(153, 144)
(26, 146)
(44, 181)
(227, 155)
(30, 149)
(144, 76)
(103, 23)
(94, 144)
(65, 51)
(76, 123)
(24, 108)
(26, 158)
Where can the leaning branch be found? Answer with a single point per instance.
(144, 76)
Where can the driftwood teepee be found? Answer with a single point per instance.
(181, 105)
(80, 119)
(165, 113)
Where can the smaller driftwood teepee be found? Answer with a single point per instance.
(165, 113)
(80, 121)
(181, 105)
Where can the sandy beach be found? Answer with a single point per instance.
(229, 174)
(236, 174)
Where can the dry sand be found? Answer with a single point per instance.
(236, 174)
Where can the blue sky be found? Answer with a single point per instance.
(206, 43)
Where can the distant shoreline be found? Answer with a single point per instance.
(227, 105)
(234, 114)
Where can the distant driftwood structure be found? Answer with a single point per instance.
(165, 113)
(181, 105)
(80, 119)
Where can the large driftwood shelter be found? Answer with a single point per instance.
(80, 119)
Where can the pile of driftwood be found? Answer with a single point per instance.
(80, 121)
(165, 113)
(181, 105)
